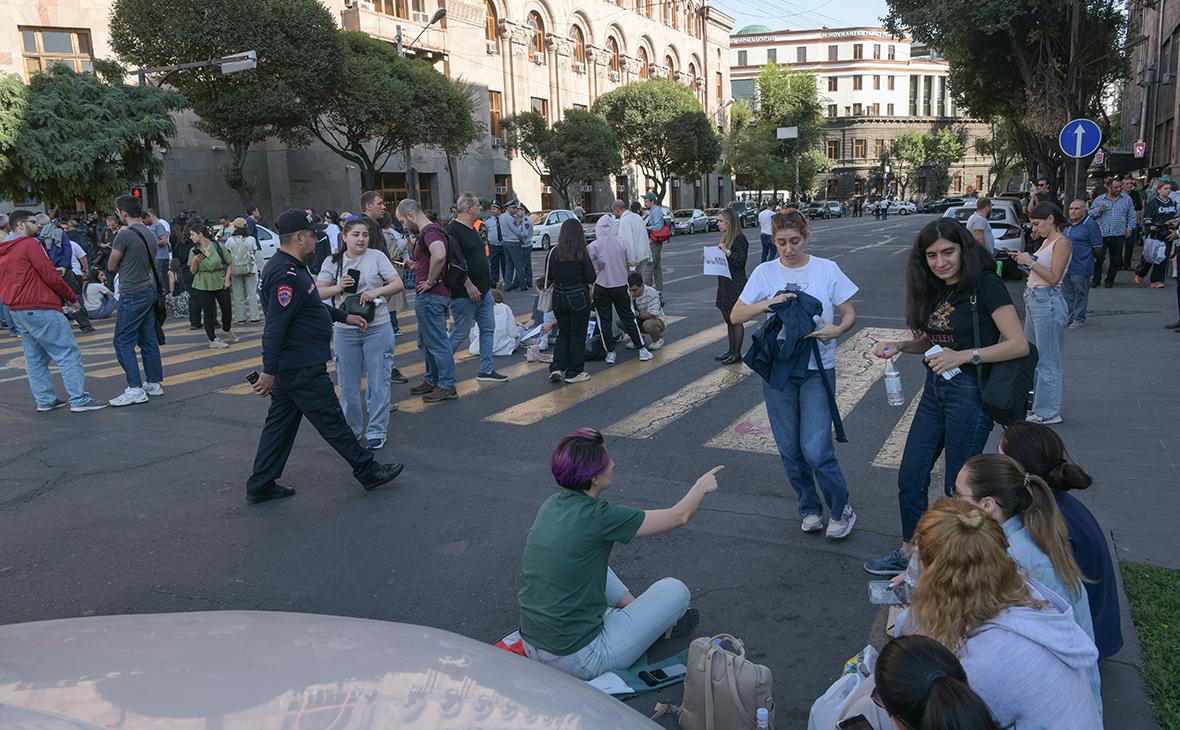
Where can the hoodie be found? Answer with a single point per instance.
(28, 280)
(1032, 667)
(610, 254)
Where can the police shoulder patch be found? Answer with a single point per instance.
(283, 295)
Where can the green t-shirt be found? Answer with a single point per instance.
(210, 274)
(563, 591)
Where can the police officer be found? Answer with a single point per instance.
(295, 348)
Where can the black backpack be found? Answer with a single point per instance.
(455, 273)
(1004, 392)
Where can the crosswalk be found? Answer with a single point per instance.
(652, 400)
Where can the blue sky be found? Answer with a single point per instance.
(801, 14)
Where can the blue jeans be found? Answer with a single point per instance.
(802, 426)
(4, 318)
(626, 632)
(1076, 290)
(767, 248)
(369, 352)
(464, 312)
(950, 418)
(107, 309)
(46, 337)
(135, 324)
(1044, 326)
(432, 339)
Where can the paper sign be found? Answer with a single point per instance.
(716, 262)
(534, 332)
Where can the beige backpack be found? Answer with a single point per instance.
(722, 689)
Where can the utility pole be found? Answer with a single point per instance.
(792, 133)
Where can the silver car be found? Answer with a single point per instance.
(689, 220)
(1007, 222)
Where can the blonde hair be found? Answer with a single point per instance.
(968, 577)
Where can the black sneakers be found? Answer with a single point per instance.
(492, 377)
(381, 474)
(276, 491)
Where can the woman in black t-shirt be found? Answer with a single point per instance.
(947, 268)
(569, 271)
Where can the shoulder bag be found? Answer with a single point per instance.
(1004, 391)
(545, 296)
(161, 305)
(723, 689)
(352, 303)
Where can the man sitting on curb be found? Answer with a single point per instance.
(645, 303)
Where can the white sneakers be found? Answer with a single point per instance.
(218, 344)
(229, 337)
(656, 345)
(153, 389)
(644, 356)
(610, 358)
(812, 523)
(579, 378)
(837, 529)
(130, 396)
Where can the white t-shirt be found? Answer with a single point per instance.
(764, 221)
(376, 272)
(332, 231)
(978, 223)
(820, 278)
(76, 256)
(92, 296)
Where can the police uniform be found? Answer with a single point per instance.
(295, 349)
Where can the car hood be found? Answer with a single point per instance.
(251, 669)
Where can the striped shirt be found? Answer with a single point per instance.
(1119, 216)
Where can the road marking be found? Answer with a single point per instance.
(102, 334)
(856, 371)
(566, 397)
(646, 422)
(889, 457)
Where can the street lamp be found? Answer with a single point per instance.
(401, 48)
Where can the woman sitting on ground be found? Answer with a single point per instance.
(922, 686)
(99, 301)
(1041, 452)
(506, 337)
(568, 586)
(1017, 640)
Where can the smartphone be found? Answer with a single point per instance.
(252, 378)
(949, 373)
(856, 722)
(355, 275)
(882, 594)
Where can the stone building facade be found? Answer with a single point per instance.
(1150, 105)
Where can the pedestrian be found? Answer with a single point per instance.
(369, 275)
(242, 248)
(497, 261)
(62, 253)
(106, 237)
(1129, 188)
(659, 230)
(212, 270)
(947, 273)
(474, 302)
(649, 313)
(980, 226)
(884, 210)
(801, 413)
(1085, 238)
(294, 370)
(373, 211)
(32, 292)
(570, 272)
(633, 233)
(735, 247)
(253, 219)
(163, 257)
(1045, 312)
(921, 684)
(576, 615)
(1115, 214)
(525, 221)
(138, 286)
(765, 233)
(98, 300)
(432, 304)
(611, 260)
(1159, 224)
(506, 229)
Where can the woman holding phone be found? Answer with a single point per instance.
(356, 269)
(212, 269)
(1044, 308)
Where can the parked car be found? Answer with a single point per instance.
(689, 220)
(546, 224)
(746, 213)
(941, 206)
(1007, 222)
(902, 207)
(814, 209)
(714, 215)
(588, 222)
(268, 244)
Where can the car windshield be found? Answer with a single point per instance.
(592, 218)
(682, 214)
(539, 217)
(962, 214)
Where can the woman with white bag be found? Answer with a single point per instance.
(1159, 229)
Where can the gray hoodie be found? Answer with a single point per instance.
(1032, 667)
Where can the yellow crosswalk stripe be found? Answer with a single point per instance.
(103, 334)
(856, 371)
(646, 422)
(889, 457)
(566, 397)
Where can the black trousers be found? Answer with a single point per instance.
(604, 299)
(185, 285)
(1112, 248)
(296, 394)
(572, 311)
(80, 316)
(211, 301)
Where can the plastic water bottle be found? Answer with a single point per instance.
(763, 718)
(893, 384)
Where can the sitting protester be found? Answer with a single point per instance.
(1017, 640)
(922, 686)
(506, 338)
(1040, 450)
(648, 312)
(99, 301)
(575, 613)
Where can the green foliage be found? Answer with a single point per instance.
(582, 147)
(12, 117)
(907, 155)
(1000, 145)
(1154, 595)
(662, 129)
(528, 135)
(944, 147)
(83, 137)
(298, 50)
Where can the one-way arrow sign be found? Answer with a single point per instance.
(1079, 138)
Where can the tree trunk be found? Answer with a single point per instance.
(234, 174)
(453, 174)
(411, 177)
(368, 176)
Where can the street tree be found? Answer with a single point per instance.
(907, 155)
(298, 49)
(12, 116)
(1000, 146)
(85, 136)
(662, 129)
(528, 135)
(582, 148)
(441, 116)
(944, 147)
(456, 146)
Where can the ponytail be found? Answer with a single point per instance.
(921, 683)
(951, 704)
(1041, 452)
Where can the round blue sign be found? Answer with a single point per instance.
(1080, 138)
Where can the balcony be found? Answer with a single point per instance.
(363, 17)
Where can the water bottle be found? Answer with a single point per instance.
(893, 384)
(763, 718)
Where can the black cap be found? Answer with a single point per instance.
(293, 220)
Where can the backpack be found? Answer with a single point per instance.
(243, 257)
(723, 690)
(455, 272)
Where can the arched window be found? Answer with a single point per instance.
(671, 68)
(490, 25)
(537, 42)
(612, 47)
(692, 73)
(675, 16)
(644, 63)
(579, 45)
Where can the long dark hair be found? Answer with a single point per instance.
(345, 227)
(921, 683)
(1041, 452)
(924, 290)
(571, 241)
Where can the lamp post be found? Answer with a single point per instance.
(401, 47)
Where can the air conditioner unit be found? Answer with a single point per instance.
(614, 75)
(547, 189)
(496, 141)
(366, 5)
(501, 190)
(538, 58)
(422, 18)
(579, 67)
(492, 47)
(587, 188)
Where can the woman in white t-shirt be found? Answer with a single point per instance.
(799, 414)
(369, 352)
(98, 300)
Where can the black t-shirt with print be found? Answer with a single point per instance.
(950, 324)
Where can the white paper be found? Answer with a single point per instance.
(534, 332)
(716, 262)
(611, 683)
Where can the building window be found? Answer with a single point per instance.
(833, 84)
(503, 187)
(392, 186)
(675, 17)
(831, 110)
(396, 8)
(957, 184)
(801, 54)
(612, 47)
(772, 55)
(671, 68)
(495, 112)
(644, 63)
(876, 51)
(692, 77)
(648, 8)
(541, 106)
(719, 87)
(892, 53)
(858, 187)
(889, 110)
(858, 51)
(639, 6)
(857, 83)
(876, 83)
(47, 47)
(876, 109)
(858, 148)
(579, 45)
(890, 83)
(833, 149)
(857, 110)
(833, 54)
(580, 107)
(878, 148)
(742, 58)
(833, 188)
(979, 183)
(537, 42)
(490, 27)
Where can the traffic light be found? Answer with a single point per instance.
(137, 192)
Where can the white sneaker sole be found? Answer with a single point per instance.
(846, 531)
(135, 402)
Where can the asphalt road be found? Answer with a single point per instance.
(141, 509)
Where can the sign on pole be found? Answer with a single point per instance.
(1079, 138)
(1140, 149)
(1099, 157)
(786, 133)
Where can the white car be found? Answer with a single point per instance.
(902, 207)
(268, 244)
(689, 220)
(547, 224)
(1007, 222)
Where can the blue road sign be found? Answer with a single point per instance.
(1079, 138)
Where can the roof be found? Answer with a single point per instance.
(751, 29)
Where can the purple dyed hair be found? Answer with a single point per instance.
(578, 458)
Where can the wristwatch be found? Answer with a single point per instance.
(976, 359)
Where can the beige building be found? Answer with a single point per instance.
(541, 55)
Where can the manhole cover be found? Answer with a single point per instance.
(1118, 312)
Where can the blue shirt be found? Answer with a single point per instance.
(298, 327)
(655, 218)
(1093, 555)
(1085, 237)
(1119, 216)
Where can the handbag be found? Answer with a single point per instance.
(545, 296)
(161, 305)
(1004, 390)
(352, 303)
(722, 688)
(1155, 251)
